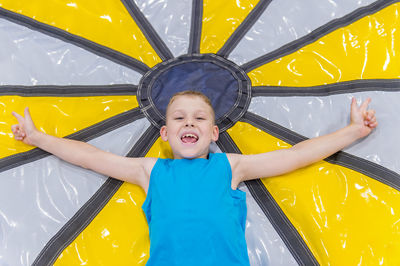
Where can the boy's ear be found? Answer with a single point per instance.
(215, 133)
(163, 133)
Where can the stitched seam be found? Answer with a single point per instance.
(86, 44)
(151, 35)
(317, 34)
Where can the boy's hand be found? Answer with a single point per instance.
(362, 117)
(25, 130)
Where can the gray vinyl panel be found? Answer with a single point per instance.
(171, 19)
(38, 198)
(28, 57)
(264, 245)
(315, 116)
(287, 20)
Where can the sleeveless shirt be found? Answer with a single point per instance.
(194, 216)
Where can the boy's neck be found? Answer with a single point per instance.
(206, 156)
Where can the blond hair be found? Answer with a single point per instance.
(192, 93)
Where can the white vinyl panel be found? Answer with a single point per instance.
(171, 20)
(264, 245)
(29, 57)
(287, 20)
(316, 116)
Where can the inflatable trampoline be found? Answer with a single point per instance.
(277, 72)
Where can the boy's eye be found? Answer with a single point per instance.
(178, 118)
(200, 118)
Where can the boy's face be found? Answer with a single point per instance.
(189, 128)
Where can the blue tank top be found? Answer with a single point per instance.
(194, 216)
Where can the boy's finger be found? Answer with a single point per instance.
(353, 104)
(27, 113)
(14, 128)
(369, 123)
(373, 125)
(365, 104)
(19, 117)
(370, 114)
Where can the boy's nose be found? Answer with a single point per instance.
(189, 123)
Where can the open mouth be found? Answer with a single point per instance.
(189, 138)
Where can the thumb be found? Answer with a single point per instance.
(353, 108)
(354, 105)
(29, 125)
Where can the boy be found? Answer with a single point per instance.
(195, 213)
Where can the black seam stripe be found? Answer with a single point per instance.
(68, 90)
(288, 233)
(88, 45)
(151, 35)
(77, 223)
(226, 144)
(144, 144)
(353, 86)
(368, 168)
(317, 34)
(294, 242)
(195, 28)
(272, 128)
(82, 218)
(86, 134)
(243, 28)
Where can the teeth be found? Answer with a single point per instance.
(189, 136)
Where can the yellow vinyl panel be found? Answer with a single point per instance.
(104, 22)
(58, 116)
(344, 217)
(160, 149)
(119, 234)
(366, 49)
(220, 20)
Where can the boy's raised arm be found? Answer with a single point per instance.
(133, 170)
(246, 167)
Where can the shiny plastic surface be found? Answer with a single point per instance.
(228, 15)
(285, 21)
(333, 208)
(33, 58)
(345, 217)
(104, 22)
(171, 20)
(37, 199)
(58, 115)
(366, 51)
(107, 232)
(316, 116)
